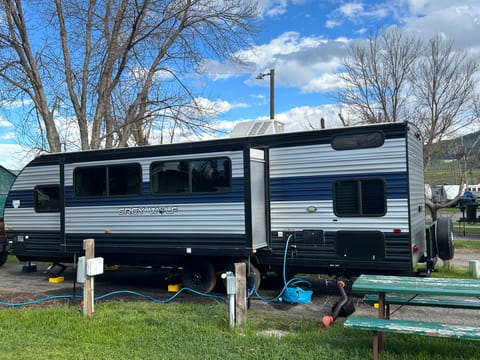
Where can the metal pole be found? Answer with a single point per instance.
(231, 310)
(272, 94)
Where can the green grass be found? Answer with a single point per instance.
(141, 330)
(446, 175)
(467, 244)
(454, 272)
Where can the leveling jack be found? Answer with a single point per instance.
(55, 269)
(343, 308)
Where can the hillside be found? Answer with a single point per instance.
(445, 168)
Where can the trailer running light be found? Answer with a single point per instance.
(397, 231)
(415, 249)
(107, 231)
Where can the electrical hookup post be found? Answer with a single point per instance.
(88, 267)
(237, 295)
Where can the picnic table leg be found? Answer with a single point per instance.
(383, 313)
(375, 345)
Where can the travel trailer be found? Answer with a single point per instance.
(349, 200)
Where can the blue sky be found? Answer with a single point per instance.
(304, 40)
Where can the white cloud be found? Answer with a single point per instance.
(213, 108)
(8, 136)
(300, 118)
(273, 7)
(459, 21)
(14, 156)
(327, 82)
(309, 117)
(330, 24)
(15, 104)
(351, 9)
(297, 60)
(5, 123)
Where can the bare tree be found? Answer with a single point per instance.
(376, 75)
(115, 67)
(395, 76)
(444, 89)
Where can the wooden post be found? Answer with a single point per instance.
(241, 294)
(89, 247)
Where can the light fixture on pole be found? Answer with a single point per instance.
(271, 73)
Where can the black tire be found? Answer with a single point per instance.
(251, 269)
(3, 258)
(199, 275)
(255, 273)
(445, 245)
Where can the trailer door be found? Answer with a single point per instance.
(258, 198)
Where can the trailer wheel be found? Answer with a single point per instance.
(3, 258)
(199, 275)
(255, 273)
(252, 271)
(445, 243)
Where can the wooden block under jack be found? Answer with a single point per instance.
(174, 287)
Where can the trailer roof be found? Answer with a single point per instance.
(390, 130)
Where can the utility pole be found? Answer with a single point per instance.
(271, 73)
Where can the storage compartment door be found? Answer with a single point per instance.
(258, 202)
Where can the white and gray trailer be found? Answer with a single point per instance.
(351, 200)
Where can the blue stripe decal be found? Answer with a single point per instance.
(300, 188)
(146, 198)
(25, 197)
(235, 196)
(305, 188)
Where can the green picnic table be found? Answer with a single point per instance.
(405, 290)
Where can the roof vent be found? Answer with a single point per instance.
(257, 127)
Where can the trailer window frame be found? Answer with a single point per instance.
(208, 175)
(99, 181)
(358, 140)
(360, 197)
(50, 205)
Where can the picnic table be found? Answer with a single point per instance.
(415, 291)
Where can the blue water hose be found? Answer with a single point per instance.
(286, 284)
(113, 293)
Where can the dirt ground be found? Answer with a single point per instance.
(17, 286)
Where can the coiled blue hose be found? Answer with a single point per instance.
(286, 284)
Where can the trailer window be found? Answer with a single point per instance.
(358, 141)
(191, 176)
(124, 180)
(47, 198)
(113, 180)
(359, 197)
(211, 175)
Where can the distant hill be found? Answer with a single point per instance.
(445, 170)
(449, 149)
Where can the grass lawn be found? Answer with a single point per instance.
(146, 330)
(468, 244)
(143, 330)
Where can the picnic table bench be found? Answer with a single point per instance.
(372, 299)
(406, 290)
